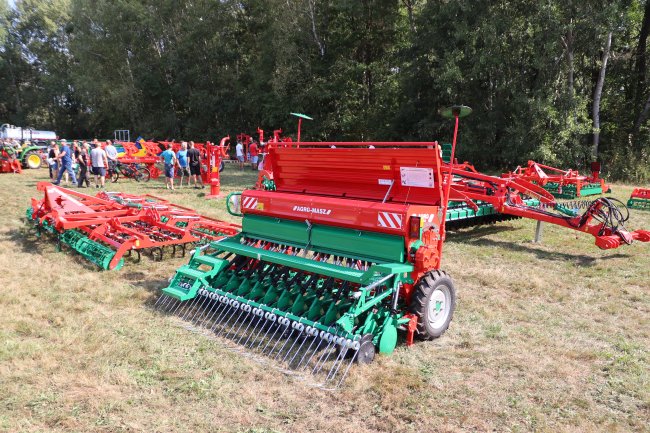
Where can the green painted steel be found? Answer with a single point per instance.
(638, 203)
(318, 297)
(460, 211)
(357, 244)
(571, 191)
(94, 252)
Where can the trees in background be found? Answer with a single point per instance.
(553, 81)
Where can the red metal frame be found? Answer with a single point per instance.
(542, 174)
(126, 222)
(641, 193)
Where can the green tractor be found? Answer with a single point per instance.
(31, 157)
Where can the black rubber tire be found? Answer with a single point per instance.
(143, 174)
(115, 176)
(424, 289)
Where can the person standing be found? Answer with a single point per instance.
(239, 151)
(111, 154)
(169, 158)
(65, 162)
(254, 152)
(194, 159)
(81, 153)
(99, 162)
(181, 155)
(52, 161)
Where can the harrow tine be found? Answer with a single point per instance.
(214, 304)
(217, 308)
(320, 342)
(337, 363)
(163, 296)
(200, 307)
(235, 323)
(323, 357)
(347, 369)
(284, 345)
(190, 306)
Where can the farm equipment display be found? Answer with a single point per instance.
(138, 172)
(565, 184)
(146, 156)
(341, 248)
(640, 199)
(106, 227)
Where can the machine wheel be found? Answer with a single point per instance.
(33, 159)
(115, 176)
(142, 174)
(434, 302)
(367, 350)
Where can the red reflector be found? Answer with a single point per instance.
(414, 227)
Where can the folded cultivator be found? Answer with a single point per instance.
(566, 184)
(340, 251)
(106, 228)
(640, 199)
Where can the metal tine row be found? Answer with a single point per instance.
(292, 344)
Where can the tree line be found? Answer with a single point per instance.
(558, 81)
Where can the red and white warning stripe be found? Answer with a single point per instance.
(389, 220)
(249, 202)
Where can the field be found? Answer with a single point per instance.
(546, 337)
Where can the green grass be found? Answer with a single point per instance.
(546, 337)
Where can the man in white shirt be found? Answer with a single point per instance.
(239, 149)
(111, 154)
(99, 162)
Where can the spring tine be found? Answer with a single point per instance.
(213, 306)
(263, 321)
(221, 315)
(199, 309)
(284, 345)
(337, 363)
(159, 299)
(295, 340)
(181, 305)
(216, 308)
(323, 357)
(166, 302)
(221, 319)
(278, 327)
(345, 373)
(320, 342)
(237, 321)
(190, 306)
(306, 337)
(250, 322)
(172, 306)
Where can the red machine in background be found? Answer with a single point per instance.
(567, 184)
(149, 159)
(8, 161)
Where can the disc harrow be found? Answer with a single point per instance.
(340, 251)
(111, 226)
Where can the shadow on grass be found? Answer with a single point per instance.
(580, 259)
(462, 235)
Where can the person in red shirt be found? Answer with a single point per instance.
(254, 152)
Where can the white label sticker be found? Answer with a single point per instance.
(385, 182)
(414, 176)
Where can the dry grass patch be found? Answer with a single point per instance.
(550, 337)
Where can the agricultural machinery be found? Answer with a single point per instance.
(566, 184)
(105, 228)
(341, 246)
(640, 199)
(8, 161)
